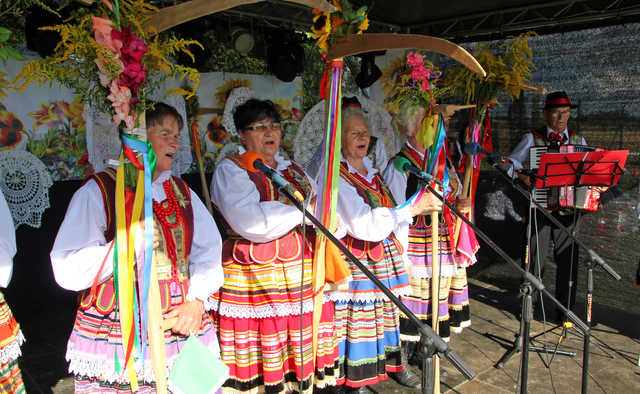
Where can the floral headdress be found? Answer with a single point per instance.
(409, 80)
(113, 60)
(344, 20)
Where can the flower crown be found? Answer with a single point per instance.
(409, 80)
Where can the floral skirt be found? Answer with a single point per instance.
(10, 340)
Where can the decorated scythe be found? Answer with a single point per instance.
(349, 45)
(169, 17)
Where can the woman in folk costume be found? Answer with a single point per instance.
(367, 322)
(186, 252)
(453, 303)
(263, 312)
(10, 335)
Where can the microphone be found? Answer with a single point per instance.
(253, 162)
(402, 164)
(474, 148)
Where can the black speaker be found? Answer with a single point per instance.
(369, 72)
(41, 41)
(285, 55)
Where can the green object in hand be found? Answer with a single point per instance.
(197, 370)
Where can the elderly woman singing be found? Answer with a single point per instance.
(264, 309)
(366, 321)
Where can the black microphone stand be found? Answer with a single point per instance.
(430, 342)
(527, 278)
(523, 338)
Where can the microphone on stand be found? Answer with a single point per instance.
(402, 164)
(253, 162)
(474, 148)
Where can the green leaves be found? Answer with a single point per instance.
(5, 50)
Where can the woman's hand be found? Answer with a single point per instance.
(189, 315)
(463, 204)
(428, 203)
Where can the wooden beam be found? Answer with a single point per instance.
(354, 44)
(169, 17)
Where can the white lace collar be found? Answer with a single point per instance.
(371, 170)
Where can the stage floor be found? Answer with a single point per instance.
(481, 346)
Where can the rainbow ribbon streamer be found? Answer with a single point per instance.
(436, 157)
(149, 163)
(327, 263)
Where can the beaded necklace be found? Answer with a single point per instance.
(162, 214)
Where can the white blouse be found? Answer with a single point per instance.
(7, 242)
(238, 199)
(80, 245)
(366, 223)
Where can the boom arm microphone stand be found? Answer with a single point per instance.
(528, 277)
(430, 342)
(526, 309)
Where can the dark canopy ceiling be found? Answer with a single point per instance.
(457, 20)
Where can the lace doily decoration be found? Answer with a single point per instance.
(103, 143)
(236, 97)
(25, 182)
(309, 141)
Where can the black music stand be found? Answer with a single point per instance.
(598, 168)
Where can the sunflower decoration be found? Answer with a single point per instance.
(222, 92)
(11, 129)
(344, 20)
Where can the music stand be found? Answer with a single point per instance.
(598, 168)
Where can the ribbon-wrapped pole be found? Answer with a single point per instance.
(328, 265)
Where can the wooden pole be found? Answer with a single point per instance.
(155, 333)
(435, 293)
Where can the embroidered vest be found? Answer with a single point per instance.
(376, 194)
(104, 299)
(286, 248)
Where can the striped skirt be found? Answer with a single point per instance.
(10, 340)
(453, 302)
(264, 317)
(367, 322)
(453, 305)
(96, 343)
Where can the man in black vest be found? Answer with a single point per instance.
(557, 111)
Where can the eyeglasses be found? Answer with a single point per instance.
(262, 127)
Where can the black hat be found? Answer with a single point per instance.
(558, 99)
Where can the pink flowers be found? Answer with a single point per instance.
(120, 98)
(132, 48)
(128, 51)
(419, 73)
(133, 76)
(102, 31)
